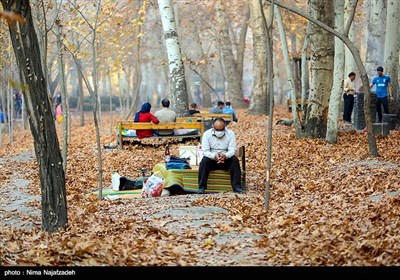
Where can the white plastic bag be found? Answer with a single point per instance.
(153, 186)
(199, 154)
(115, 180)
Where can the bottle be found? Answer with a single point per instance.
(167, 154)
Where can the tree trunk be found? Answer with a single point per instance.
(305, 75)
(349, 63)
(233, 91)
(289, 72)
(322, 49)
(258, 104)
(392, 46)
(52, 176)
(241, 47)
(270, 93)
(204, 100)
(81, 98)
(178, 90)
(337, 89)
(64, 99)
(376, 35)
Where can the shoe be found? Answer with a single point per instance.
(201, 191)
(238, 190)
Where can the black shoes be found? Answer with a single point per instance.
(238, 190)
(201, 191)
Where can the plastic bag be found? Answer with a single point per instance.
(115, 180)
(153, 186)
(199, 154)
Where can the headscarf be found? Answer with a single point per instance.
(145, 109)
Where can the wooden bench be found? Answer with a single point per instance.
(201, 117)
(188, 119)
(130, 125)
(212, 116)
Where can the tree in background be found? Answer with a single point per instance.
(259, 98)
(392, 48)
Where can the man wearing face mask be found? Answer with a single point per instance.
(219, 153)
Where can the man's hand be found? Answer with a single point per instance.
(220, 157)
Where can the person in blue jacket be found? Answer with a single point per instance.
(229, 110)
(383, 87)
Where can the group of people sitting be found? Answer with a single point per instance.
(167, 115)
(163, 115)
(224, 108)
(218, 142)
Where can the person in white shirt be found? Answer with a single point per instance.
(349, 88)
(219, 153)
(165, 115)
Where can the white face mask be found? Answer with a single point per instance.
(219, 134)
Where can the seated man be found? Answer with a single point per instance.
(219, 153)
(193, 109)
(218, 108)
(165, 115)
(229, 110)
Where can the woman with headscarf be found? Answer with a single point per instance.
(144, 115)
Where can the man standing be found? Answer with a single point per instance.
(165, 115)
(219, 153)
(348, 97)
(382, 83)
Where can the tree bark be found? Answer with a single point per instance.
(178, 90)
(64, 103)
(322, 49)
(376, 35)
(392, 46)
(349, 63)
(337, 89)
(258, 104)
(52, 176)
(233, 91)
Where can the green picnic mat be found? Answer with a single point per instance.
(218, 181)
(121, 194)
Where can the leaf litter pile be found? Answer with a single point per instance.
(329, 204)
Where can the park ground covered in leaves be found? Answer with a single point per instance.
(330, 205)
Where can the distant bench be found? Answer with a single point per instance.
(212, 116)
(130, 125)
(206, 118)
